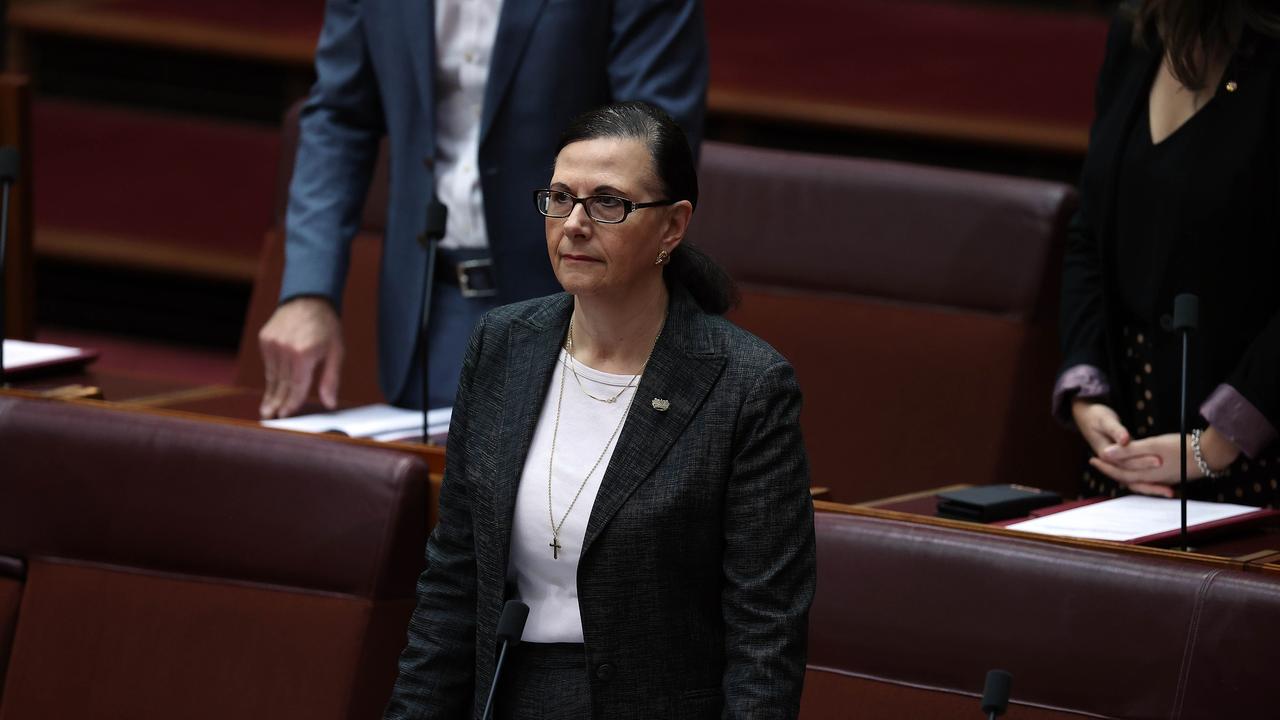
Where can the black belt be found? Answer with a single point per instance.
(470, 270)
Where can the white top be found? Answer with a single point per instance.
(546, 584)
(465, 32)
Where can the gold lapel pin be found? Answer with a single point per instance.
(661, 405)
(1231, 86)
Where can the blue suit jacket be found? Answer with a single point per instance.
(552, 59)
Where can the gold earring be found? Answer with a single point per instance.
(663, 256)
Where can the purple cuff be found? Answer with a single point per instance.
(1238, 420)
(1083, 381)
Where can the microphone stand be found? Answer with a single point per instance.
(437, 220)
(8, 174)
(510, 630)
(1186, 312)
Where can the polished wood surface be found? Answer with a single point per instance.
(1248, 548)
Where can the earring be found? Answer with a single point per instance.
(663, 256)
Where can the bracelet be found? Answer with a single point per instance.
(1199, 457)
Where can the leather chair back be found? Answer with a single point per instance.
(909, 617)
(917, 304)
(179, 568)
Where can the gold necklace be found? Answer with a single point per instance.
(555, 545)
(573, 362)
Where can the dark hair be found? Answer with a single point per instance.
(674, 166)
(1198, 33)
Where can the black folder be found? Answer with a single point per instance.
(990, 503)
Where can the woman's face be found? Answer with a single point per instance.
(611, 260)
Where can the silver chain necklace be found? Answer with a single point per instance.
(555, 545)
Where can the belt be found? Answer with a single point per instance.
(470, 270)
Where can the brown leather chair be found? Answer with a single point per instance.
(167, 567)
(917, 304)
(909, 617)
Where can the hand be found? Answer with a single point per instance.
(1218, 453)
(1102, 429)
(1099, 425)
(300, 335)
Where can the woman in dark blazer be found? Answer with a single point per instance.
(625, 461)
(1180, 194)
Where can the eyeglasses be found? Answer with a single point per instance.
(609, 209)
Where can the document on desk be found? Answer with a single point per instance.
(20, 355)
(380, 422)
(1128, 518)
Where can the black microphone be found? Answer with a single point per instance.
(1186, 317)
(432, 234)
(510, 628)
(995, 694)
(9, 162)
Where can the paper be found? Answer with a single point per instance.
(380, 422)
(20, 354)
(1129, 518)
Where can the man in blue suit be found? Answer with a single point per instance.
(472, 96)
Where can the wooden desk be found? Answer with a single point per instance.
(1246, 548)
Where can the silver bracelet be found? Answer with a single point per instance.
(1200, 463)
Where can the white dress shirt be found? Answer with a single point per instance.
(548, 585)
(465, 31)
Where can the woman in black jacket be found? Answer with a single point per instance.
(1179, 194)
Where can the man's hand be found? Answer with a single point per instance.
(302, 334)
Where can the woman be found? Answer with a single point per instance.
(626, 462)
(1179, 194)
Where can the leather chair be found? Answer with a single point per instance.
(167, 567)
(909, 617)
(917, 304)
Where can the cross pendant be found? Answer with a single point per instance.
(555, 547)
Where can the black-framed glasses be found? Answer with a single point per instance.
(609, 209)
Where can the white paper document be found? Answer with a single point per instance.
(380, 422)
(1129, 518)
(20, 354)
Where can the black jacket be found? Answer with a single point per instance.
(1227, 250)
(698, 566)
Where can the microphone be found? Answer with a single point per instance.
(9, 165)
(510, 628)
(1186, 317)
(995, 693)
(432, 234)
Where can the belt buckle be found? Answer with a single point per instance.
(464, 269)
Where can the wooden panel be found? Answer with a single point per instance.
(15, 130)
(290, 44)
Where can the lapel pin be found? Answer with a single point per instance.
(1232, 85)
(660, 405)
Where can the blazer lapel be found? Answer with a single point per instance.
(420, 24)
(680, 372)
(532, 351)
(514, 28)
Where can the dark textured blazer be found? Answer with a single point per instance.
(698, 566)
(1227, 250)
